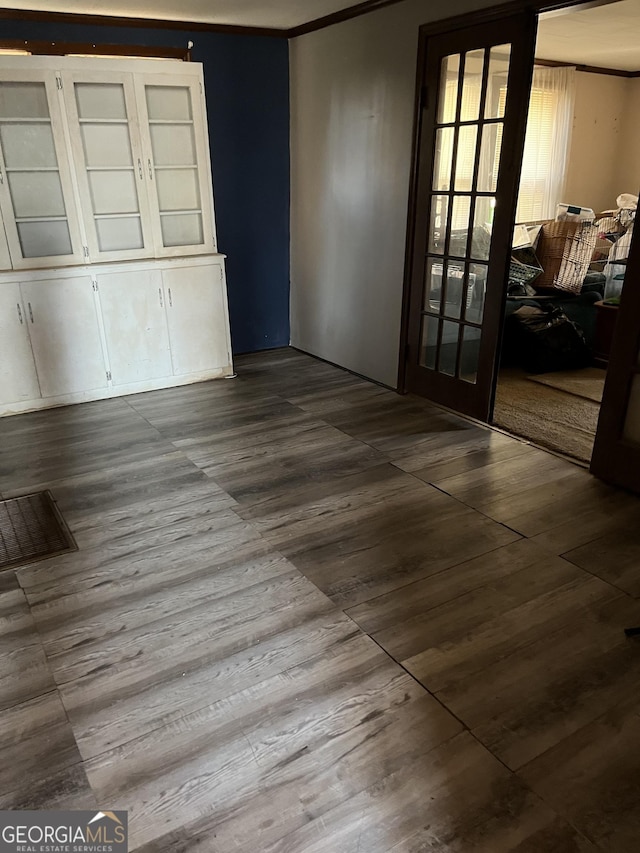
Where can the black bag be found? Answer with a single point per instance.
(549, 340)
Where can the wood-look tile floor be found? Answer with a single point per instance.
(308, 615)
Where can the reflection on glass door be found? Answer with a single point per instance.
(467, 184)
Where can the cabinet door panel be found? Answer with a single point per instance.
(18, 379)
(172, 124)
(135, 325)
(65, 337)
(101, 110)
(196, 313)
(37, 197)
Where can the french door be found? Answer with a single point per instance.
(616, 453)
(471, 126)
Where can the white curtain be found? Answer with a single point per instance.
(547, 142)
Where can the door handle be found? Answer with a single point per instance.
(20, 313)
(30, 311)
(170, 299)
(150, 169)
(140, 168)
(160, 296)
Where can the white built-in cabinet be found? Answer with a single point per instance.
(75, 334)
(110, 280)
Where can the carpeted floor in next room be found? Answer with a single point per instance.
(558, 411)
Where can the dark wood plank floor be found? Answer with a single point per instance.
(308, 615)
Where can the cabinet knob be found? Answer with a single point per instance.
(150, 169)
(30, 311)
(170, 299)
(140, 168)
(20, 313)
(160, 296)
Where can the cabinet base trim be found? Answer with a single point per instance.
(23, 406)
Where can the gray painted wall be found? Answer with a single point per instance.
(352, 91)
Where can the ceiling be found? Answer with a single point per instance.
(605, 36)
(278, 14)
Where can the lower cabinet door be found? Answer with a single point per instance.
(18, 378)
(135, 325)
(197, 318)
(65, 336)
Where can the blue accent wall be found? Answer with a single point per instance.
(247, 88)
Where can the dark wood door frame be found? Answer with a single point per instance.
(483, 16)
(448, 386)
(615, 459)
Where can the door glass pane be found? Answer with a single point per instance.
(429, 342)
(449, 348)
(181, 229)
(438, 224)
(31, 166)
(106, 144)
(118, 233)
(472, 85)
(482, 228)
(499, 60)
(172, 103)
(443, 158)
(23, 100)
(41, 239)
(454, 291)
(108, 160)
(460, 212)
(470, 354)
(433, 286)
(36, 194)
(173, 145)
(113, 192)
(490, 151)
(478, 286)
(101, 101)
(26, 145)
(465, 158)
(178, 189)
(448, 97)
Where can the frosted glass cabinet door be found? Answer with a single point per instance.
(18, 379)
(65, 337)
(36, 195)
(101, 109)
(173, 130)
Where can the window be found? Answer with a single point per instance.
(546, 147)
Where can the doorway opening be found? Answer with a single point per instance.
(575, 214)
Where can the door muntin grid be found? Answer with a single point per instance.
(467, 155)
